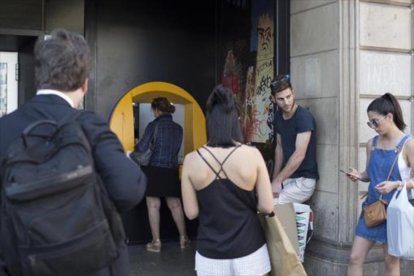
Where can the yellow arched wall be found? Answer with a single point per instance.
(122, 118)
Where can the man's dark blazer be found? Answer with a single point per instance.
(122, 178)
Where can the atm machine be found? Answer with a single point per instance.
(128, 120)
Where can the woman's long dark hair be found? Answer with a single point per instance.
(223, 125)
(385, 104)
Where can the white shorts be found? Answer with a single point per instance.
(256, 263)
(297, 190)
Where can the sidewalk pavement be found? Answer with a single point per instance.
(171, 261)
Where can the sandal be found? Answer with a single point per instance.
(154, 246)
(184, 242)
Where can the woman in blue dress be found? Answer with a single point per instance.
(385, 117)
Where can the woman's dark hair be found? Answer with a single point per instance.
(163, 105)
(385, 104)
(223, 125)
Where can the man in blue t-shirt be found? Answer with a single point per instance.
(295, 171)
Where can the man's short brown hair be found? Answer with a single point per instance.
(280, 83)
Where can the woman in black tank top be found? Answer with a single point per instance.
(224, 184)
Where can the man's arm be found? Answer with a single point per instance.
(278, 156)
(122, 178)
(276, 187)
(295, 160)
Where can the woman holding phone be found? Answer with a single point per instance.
(385, 117)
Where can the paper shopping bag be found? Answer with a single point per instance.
(283, 257)
(287, 217)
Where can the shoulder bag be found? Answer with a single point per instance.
(143, 158)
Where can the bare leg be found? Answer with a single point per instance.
(176, 209)
(174, 204)
(392, 264)
(153, 205)
(359, 252)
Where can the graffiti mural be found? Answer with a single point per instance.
(248, 68)
(264, 71)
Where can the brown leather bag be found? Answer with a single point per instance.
(375, 213)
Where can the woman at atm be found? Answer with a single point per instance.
(162, 170)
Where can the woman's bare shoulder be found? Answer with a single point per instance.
(250, 149)
(190, 156)
(410, 144)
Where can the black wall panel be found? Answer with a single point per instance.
(68, 14)
(135, 42)
(143, 41)
(26, 84)
(21, 14)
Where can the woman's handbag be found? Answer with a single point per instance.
(400, 226)
(375, 213)
(283, 256)
(143, 158)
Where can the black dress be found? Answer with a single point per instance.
(162, 182)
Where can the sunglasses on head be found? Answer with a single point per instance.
(279, 80)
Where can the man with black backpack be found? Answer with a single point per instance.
(64, 177)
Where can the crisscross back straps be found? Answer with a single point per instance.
(215, 158)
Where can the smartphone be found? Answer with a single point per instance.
(348, 174)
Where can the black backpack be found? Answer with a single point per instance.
(56, 217)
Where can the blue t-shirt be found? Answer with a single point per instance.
(301, 121)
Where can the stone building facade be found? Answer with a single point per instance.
(345, 53)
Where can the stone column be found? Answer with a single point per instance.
(344, 53)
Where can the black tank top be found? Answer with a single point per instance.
(228, 223)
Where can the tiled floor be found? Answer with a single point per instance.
(170, 261)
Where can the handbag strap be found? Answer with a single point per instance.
(398, 150)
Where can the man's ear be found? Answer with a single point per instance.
(85, 86)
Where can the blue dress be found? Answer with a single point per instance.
(379, 165)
